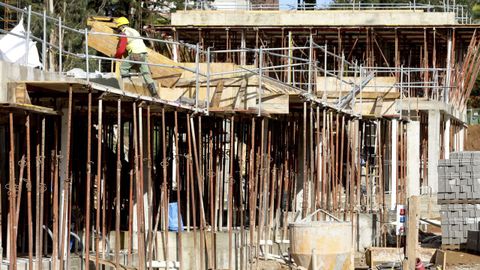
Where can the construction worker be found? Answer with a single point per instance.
(135, 50)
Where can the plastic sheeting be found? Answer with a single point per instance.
(173, 218)
(13, 48)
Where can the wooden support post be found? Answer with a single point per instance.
(412, 232)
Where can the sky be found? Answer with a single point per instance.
(294, 2)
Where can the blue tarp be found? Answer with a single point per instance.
(173, 217)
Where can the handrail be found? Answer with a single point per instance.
(288, 61)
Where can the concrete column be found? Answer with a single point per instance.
(413, 158)
(393, 178)
(243, 44)
(175, 47)
(446, 138)
(461, 139)
(433, 148)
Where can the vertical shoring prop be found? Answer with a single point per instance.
(37, 199)
(67, 182)
(29, 195)
(332, 173)
(347, 167)
(305, 171)
(230, 192)
(88, 181)
(251, 188)
(130, 191)
(342, 140)
(139, 187)
(149, 186)
(99, 180)
(324, 159)
(42, 190)
(55, 213)
(242, 169)
(286, 176)
(119, 178)
(179, 212)
(319, 164)
(311, 196)
(12, 197)
(164, 200)
(212, 195)
(191, 186)
(200, 191)
(336, 193)
(260, 183)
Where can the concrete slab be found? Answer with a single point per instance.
(310, 18)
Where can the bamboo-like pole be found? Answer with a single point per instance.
(12, 197)
(99, 183)
(118, 186)
(88, 181)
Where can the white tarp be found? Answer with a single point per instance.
(13, 48)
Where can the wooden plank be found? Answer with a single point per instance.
(441, 259)
(366, 95)
(217, 95)
(108, 44)
(28, 107)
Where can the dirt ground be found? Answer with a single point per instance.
(462, 261)
(270, 265)
(472, 138)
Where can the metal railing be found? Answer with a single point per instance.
(301, 68)
(296, 62)
(462, 13)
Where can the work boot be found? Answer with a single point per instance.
(153, 90)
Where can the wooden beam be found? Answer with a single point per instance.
(412, 233)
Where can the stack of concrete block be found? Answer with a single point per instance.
(459, 177)
(459, 197)
(457, 220)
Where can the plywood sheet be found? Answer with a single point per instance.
(107, 45)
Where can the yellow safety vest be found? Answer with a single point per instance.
(134, 45)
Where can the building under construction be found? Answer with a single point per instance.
(280, 138)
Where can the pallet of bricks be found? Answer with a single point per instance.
(459, 197)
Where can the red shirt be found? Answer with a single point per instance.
(121, 46)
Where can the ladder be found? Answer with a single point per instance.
(345, 101)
